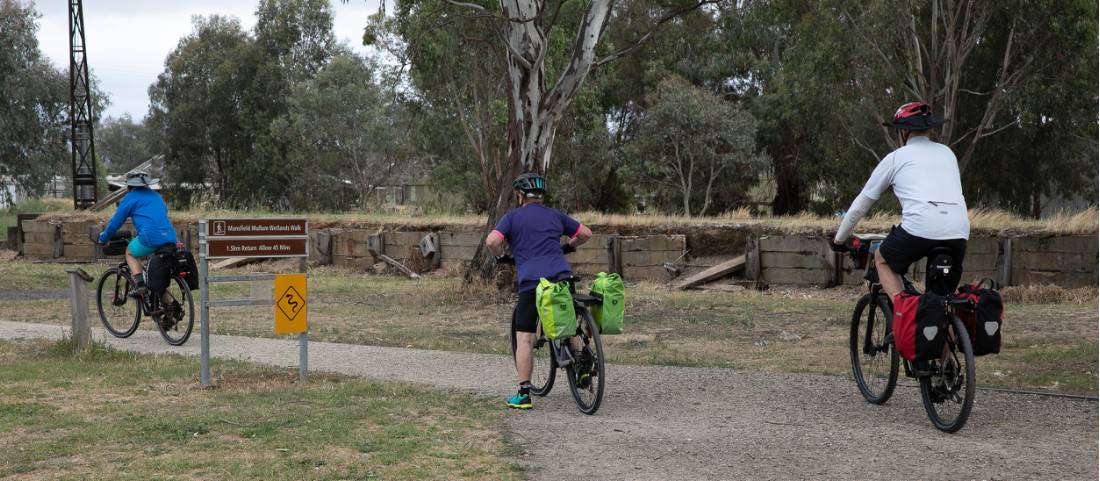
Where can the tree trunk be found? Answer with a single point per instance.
(1036, 204)
(534, 112)
(483, 264)
(788, 186)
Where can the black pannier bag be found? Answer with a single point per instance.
(931, 332)
(116, 245)
(162, 266)
(187, 268)
(984, 323)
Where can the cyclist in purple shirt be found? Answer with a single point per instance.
(534, 233)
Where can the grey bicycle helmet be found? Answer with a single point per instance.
(531, 185)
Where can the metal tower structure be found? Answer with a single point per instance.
(85, 192)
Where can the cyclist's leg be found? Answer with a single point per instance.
(526, 323)
(136, 251)
(892, 259)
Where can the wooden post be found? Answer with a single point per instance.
(324, 249)
(614, 255)
(58, 244)
(752, 259)
(78, 303)
(1004, 263)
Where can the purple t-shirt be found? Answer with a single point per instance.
(534, 233)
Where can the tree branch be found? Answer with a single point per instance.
(998, 129)
(486, 13)
(645, 37)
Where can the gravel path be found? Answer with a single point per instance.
(669, 423)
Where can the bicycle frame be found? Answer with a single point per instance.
(863, 253)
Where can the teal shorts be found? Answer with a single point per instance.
(137, 249)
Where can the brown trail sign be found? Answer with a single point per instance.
(237, 240)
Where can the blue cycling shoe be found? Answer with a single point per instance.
(520, 401)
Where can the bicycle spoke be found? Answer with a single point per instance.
(948, 393)
(874, 363)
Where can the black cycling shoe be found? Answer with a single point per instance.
(138, 291)
(171, 315)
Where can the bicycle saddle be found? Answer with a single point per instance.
(588, 300)
(166, 248)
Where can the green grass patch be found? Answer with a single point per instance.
(111, 415)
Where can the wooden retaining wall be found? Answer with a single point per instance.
(1065, 260)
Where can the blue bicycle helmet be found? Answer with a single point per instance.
(531, 185)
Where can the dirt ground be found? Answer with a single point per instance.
(673, 423)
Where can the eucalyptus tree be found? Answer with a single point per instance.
(344, 137)
(33, 104)
(691, 141)
(122, 143)
(196, 113)
(538, 89)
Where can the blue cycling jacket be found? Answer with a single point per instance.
(150, 216)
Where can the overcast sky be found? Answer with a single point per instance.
(128, 40)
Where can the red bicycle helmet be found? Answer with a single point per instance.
(914, 116)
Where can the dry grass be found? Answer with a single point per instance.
(1049, 294)
(989, 222)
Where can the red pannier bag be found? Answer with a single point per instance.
(920, 323)
(984, 323)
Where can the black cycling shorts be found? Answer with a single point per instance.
(526, 315)
(900, 249)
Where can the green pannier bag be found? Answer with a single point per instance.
(555, 306)
(609, 315)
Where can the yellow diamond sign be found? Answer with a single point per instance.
(290, 304)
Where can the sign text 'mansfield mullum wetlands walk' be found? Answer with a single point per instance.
(257, 238)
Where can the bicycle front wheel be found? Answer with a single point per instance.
(117, 311)
(544, 367)
(948, 393)
(175, 317)
(874, 359)
(586, 374)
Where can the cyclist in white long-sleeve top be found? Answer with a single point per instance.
(925, 178)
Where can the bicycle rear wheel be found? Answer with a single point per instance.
(874, 359)
(176, 316)
(587, 384)
(948, 394)
(119, 313)
(542, 357)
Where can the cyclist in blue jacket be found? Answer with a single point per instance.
(150, 215)
(534, 233)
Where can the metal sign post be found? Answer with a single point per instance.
(244, 238)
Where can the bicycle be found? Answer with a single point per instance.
(167, 308)
(947, 383)
(587, 384)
